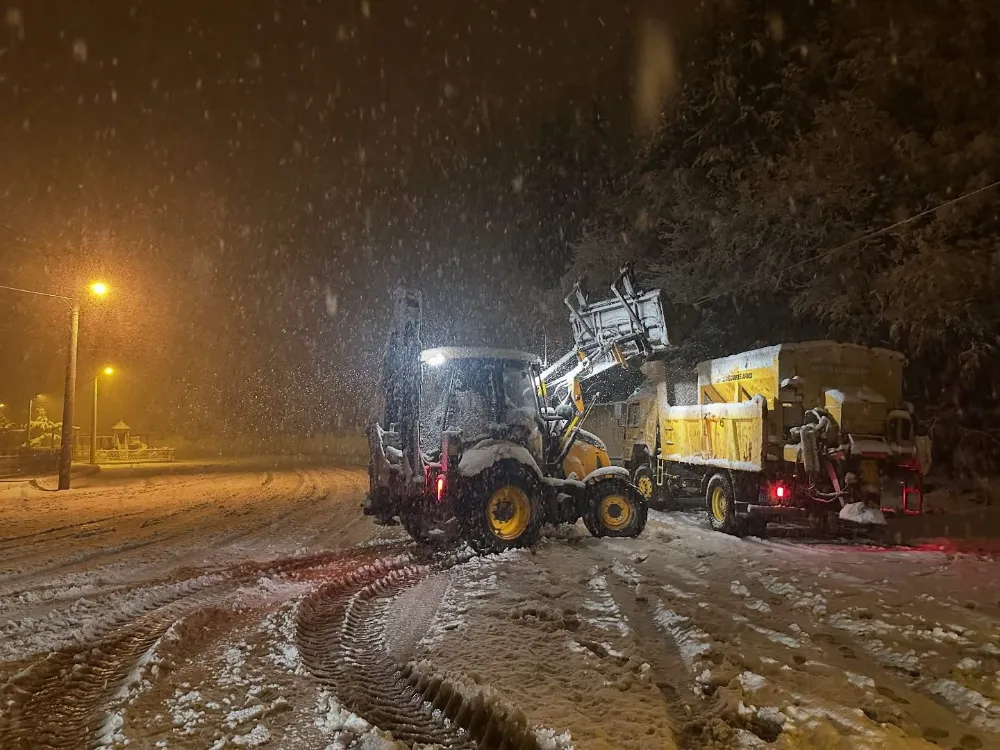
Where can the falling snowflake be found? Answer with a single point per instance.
(80, 50)
(15, 20)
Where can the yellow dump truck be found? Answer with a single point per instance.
(811, 430)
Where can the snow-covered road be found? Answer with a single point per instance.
(260, 608)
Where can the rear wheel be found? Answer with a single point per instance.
(501, 510)
(614, 509)
(720, 499)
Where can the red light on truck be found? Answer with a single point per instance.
(780, 492)
(440, 486)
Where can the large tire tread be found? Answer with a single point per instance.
(474, 504)
(592, 514)
(728, 524)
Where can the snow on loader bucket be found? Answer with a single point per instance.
(465, 443)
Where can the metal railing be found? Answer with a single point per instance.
(135, 455)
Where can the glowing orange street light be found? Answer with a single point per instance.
(99, 289)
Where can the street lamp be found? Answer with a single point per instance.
(93, 416)
(66, 449)
(27, 425)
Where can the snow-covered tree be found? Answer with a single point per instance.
(762, 196)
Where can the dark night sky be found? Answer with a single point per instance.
(251, 177)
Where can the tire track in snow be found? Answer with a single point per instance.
(63, 700)
(341, 637)
(668, 659)
(55, 701)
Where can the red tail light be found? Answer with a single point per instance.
(439, 484)
(780, 492)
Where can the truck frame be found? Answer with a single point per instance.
(793, 431)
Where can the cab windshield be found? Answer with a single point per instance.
(471, 395)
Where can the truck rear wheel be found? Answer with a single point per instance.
(614, 509)
(721, 502)
(501, 510)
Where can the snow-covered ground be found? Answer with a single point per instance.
(262, 609)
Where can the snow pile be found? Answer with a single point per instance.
(860, 513)
(626, 572)
(772, 635)
(676, 592)
(346, 729)
(548, 740)
(972, 706)
(808, 600)
(758, 605)
(259, 735)
(777, 637)
(811, 714)
(968, 664)
(186, 711)
(607, 616)
(859, 680)
(279, 626)
(864, 625)
(691, 641)
(751, 682)
(64, 588)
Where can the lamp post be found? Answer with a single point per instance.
(93, 417)
(66, 449)
(27, 425)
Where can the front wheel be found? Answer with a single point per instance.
(658, 498)
(614, 509)
(643, 480)
(501, 509)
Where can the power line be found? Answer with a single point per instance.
(862, 238)
(38, 294)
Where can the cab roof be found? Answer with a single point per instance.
(442, 354)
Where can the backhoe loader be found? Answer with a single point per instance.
(487, 446)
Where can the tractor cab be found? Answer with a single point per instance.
(472, 393)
